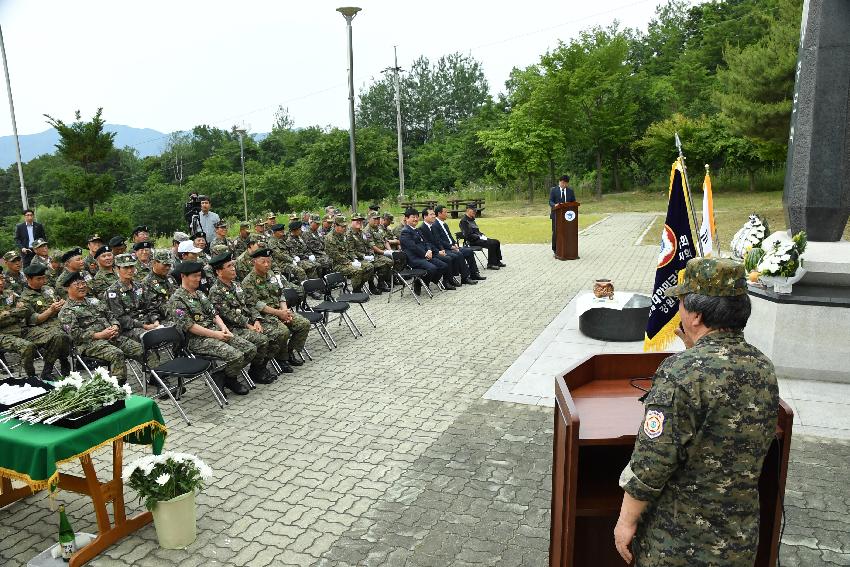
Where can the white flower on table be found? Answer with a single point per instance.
(163, 478)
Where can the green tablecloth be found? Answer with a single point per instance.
(31, 453)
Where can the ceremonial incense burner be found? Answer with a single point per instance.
(603, 288)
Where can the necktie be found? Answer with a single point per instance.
(564, 195)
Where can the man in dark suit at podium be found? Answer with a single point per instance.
(559, 194)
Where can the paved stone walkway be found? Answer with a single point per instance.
(383, 452)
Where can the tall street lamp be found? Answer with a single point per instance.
(241, 132)
(348, 13)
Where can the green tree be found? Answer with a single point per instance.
(86, 146)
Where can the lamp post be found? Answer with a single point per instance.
(348, 13)
(241, 132)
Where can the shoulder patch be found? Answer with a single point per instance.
(653, 424)
(111, 295)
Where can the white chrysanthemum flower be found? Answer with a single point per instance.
(163, 478)
(127, 389)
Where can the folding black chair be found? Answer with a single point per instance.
(3, 363)
(459, 236)
(336, 281)
(317, 320)
(328, 306)
(169, 342)
(89, 362)
(405, 279)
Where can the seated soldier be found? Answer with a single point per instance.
(15, 280)
(243, 320)
(43, 330)
(327, 225)
(282, 261)
(93, 242)
(296, 247)
(106, 275)
(187, 251)
(383, 240)
(240, 244)
(95, 332)
(140, 234)
(55, 268)
(157, 287)
(142, 251)
(381, 264)
(175, 245)
(221, 236)
(200, 242)
(340, 250)
(124, 300)
(13, 312)
(244, 263)
(264, 290)
(315, 243)
(194, 314)
(72, 261)
(42, 252)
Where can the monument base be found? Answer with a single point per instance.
(805, 332)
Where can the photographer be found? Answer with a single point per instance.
(208, 218)
(191, 212)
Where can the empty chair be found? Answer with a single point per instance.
(336, 281)
(328, 306)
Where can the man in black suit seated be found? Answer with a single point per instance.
(419, 254)
(454, 259)
(557, 195)
(444, 237)
(26, 233)
(473, 235)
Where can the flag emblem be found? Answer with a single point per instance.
(668, 246)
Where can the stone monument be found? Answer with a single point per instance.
(806, 333)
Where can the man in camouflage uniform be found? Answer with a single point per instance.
(384, 242)
(221, 236)
(240, 244)
(691, 486)
(207, 335)
(13, 313)
(388, 232)
(244, 263)
(157, 287)
(188, 251)
(93, 242)
(94, 330)
(364, 242)
(140, 234)
(42, 308)
(105, 275)
(72, 261)
(54, 269)
(299, 252)
(42, 253)
(142, 251)
(264, 290)
(260, 226)
(341, 252)
(15, 280)
(118, 244)
(124, 300)
(175, 245)
(200, 242)
(271, 220)
(282, 261)
(242, 319)
(327, 226)
(315, 244)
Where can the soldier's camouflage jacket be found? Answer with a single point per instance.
(315, 241)
(63, 292)
(155, 293)
(239, 246)
(709, 420)
(13, 313)
(231, 304)
(296, 247)
(83, 317)
(262, 291)
(37, 302)
(340, 248)
(126, 304)
(40, 261)
(359, 243)
(16, 283)
(102, 280)
(186, 309)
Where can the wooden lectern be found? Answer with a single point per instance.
(597, 416)
(566, 230)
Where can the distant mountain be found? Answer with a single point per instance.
(144, 140)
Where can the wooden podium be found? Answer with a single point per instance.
(566, 230)
(597, 416)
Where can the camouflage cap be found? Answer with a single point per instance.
(94, 238)
(244, 224)
(255, 237)
(373, 215)
(219, 249)
(358, 216)
(163, 257)
(718, 277)
(294, 216)
(11, 255)
(259, 221)
(388, 216)
(316, 218)
(56, 255)
(125, 260)
(180, 237)
(220, 224)
(270, 215)
(328, 218)
(340, 221)
(39, 243)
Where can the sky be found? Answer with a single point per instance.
(170, 65)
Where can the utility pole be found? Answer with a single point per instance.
(396, 69)
(24, 200)
(241, 132)
(348, 13)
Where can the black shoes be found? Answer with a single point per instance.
(236, 386)
(384, 287)
(448, 285)
(477, 277)
(502, 264)
(293, 360)
(261, 375)
(493, 267)
(468, 281)
(284, 366)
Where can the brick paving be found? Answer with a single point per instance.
(383, 452)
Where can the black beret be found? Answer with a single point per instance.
(199, 234)
(261, 253)
(220, 260)
(117, 241)
(71, 277)
(186, 268)
(102, 250)
(140, 245)
(140, 228)
(71, 253)
(295, 224)
(35, 270)
(278, 226)
(472, 206)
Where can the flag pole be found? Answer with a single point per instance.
(687, 186)
(716, 235)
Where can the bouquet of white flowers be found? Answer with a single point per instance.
(782, 255)
(749, 236)
(158, 478)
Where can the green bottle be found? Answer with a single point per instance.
(67, 538)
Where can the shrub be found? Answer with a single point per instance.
(71, 229)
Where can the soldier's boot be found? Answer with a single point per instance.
(65, 365)
(294, 360)
(373, 287)
(235, 386)
(385, 283)
(259, 374)
(285, 368)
